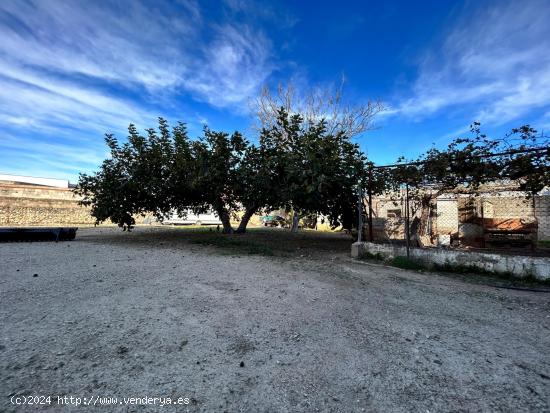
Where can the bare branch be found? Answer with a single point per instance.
(316, 104)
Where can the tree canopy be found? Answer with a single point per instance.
(313, 171)
(293, 166)
(297, 165)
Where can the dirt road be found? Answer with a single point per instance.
(128, 315)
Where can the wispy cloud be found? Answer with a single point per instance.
(60, 60)
(33, 156)
(494, 65)
(71, 154)
(32, 99)
(121, 43)
(71, 71)
(236, 63)
(155, 46)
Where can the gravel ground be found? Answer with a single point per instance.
(117, 314)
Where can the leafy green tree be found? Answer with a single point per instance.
(313, 171)
(295, 166)
(134, 179)
(164, 171)
(255, 184)
(219, 159)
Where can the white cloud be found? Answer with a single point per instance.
(236, 64)
(36, 157)
(73, 70)
(34, 100)
(495, 65)
(62, 152)
(124, 44)
(127, 43)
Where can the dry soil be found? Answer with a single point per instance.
(148, 314)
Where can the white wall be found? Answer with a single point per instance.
(57, 183)
(519, 266)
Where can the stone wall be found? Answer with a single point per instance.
(31, 205)
(22, 205)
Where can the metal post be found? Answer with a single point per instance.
(482, 213)
(407, 233)
(360, 215)
(482, 222)
(371, 238)
(534, 236)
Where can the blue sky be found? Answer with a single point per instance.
(72, 70)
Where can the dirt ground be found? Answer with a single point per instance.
(155, 313)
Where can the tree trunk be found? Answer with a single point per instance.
(224, 218)
(245, 219)
(295, 222)
(349, 222)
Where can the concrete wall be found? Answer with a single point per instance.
(389, 217)
(542, 212)
(519, 266)
(447, 216)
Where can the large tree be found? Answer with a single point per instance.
(313, 170)
(296, 165)
(136, 177)
(164, 171)
(322, 103)
(228, 169)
